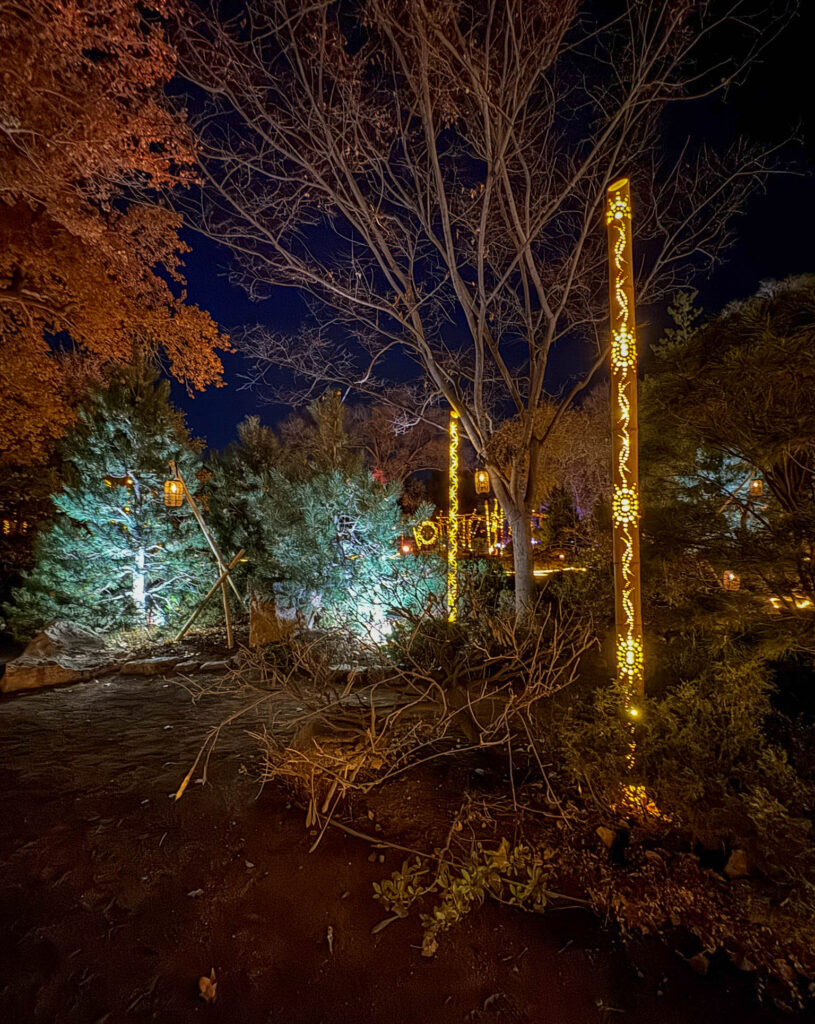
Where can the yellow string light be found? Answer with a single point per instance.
(452, 523)
(494, 522)
(426, 534)
(625, 499)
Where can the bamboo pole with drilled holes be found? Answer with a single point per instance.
(625, 470)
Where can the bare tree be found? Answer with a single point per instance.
(398, 445)
(432, 174)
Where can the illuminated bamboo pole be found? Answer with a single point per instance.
(452, 523)
(625, 474)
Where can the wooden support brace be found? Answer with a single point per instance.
(218, 583)
(219, 558)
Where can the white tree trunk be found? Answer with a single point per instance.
(523, 562)
(138, 583)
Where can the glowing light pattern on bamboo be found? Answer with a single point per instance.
(452, 524)
(625, 499)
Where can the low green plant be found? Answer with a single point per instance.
(514, 875)
(703, 754)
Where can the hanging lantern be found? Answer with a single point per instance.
(173, 493)
(482, 481)
(731, 580)
(756, 488)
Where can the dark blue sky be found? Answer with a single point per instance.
(775, 239)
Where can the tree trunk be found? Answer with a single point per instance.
(518, 518)
(138, 583)
(523, 562)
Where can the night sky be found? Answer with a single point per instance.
(776, 238)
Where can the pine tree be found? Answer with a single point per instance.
(728, 469)
(321, 534)
(115, 556)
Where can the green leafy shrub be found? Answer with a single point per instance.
(703, 755)
(514, 875)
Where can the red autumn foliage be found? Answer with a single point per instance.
(89, 254)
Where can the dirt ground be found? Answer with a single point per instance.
(114, 898)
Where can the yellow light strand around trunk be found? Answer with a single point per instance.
(452, 524)
(625, 499)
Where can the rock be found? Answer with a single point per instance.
(786, 971)
(737, 866)
(64, 652)
(32, 677)
(698, 963)
(268, 622)
(263, 625)
(148, 666)
(215, 666)
(607, 835)
(188, 666)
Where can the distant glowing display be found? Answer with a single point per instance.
(425, 534)
(625, 498)
(452, 524)
(15, 526)
(731, 580)
(494, 521)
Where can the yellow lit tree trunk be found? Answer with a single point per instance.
(625, 474)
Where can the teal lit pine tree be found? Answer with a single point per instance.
(115, 556)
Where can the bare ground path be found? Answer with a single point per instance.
(114, 898)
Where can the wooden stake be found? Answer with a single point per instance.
(224, 577)
(218, 583)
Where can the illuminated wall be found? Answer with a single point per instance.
(452, 524)
(625, 477)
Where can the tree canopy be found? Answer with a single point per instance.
(433, 175)
(728, 461)
(90, 257)
(322, 533)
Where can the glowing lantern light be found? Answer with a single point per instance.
(731, 580)
(173, 494)
(625, 474)
(482, 481)
(756, 488)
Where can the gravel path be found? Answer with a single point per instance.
(114, 898)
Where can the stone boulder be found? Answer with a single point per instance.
(64, 652)
(737, 865)
(149, 666)
(268, 623)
